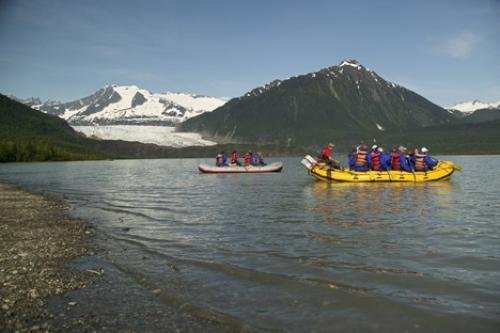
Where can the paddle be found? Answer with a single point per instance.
(456, 167)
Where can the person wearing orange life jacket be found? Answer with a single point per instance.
(234, 158)
(375, 159)
(363, 160)
(423, 162)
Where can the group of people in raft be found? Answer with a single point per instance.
(399, 158)
(248, 159)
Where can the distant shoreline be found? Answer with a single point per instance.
(215, 150)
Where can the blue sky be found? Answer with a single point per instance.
(447, 51)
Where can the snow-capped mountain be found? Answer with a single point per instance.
(129, 105)
(469, 107)
(313, 108)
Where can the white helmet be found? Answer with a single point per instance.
(374, 147)
(380, 149)
(424, 150)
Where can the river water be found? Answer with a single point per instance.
(283, 251)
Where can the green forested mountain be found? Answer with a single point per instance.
(456, 138)
(27, 134)
(481, 116)
(337, 103)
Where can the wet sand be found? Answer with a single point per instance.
(55, 277)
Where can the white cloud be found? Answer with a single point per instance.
(461, 46)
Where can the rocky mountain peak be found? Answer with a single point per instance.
(30, 101)
(351, 63)
(309, 108)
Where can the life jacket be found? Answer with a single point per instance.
(326, 154)
(234, 158)
(351, 159)
(420, 164)
(219, 160)
(376, 163)
(361, 159)
(259, 160)
(248, 159)
(395, 160)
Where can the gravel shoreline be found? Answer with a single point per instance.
(37, 241)
(54, 277)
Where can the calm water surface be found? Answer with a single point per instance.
(283, 251)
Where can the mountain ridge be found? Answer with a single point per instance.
(127, 105)
(474, 105)
(347, 99)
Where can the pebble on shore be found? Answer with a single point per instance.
(37, 240)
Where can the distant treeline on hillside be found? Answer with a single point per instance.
(30, 135)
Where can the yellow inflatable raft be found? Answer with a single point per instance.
(442, 171)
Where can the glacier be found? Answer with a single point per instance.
(159, 135)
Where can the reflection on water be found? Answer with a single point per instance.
(286, 251)
(373, 201)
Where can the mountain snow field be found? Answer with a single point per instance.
(159, 135)
(129, 105)
(131, 113)
(469, 107)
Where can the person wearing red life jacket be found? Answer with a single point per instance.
(327, 156)
(234, 158)
(363, 160)
(395, 159)
(375, 157)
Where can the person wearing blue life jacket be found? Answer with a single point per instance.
(363, 160)
(351, 159)
(423, 162)
(259, 159)
(405, 159)
(385, 159)
(221, 160)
